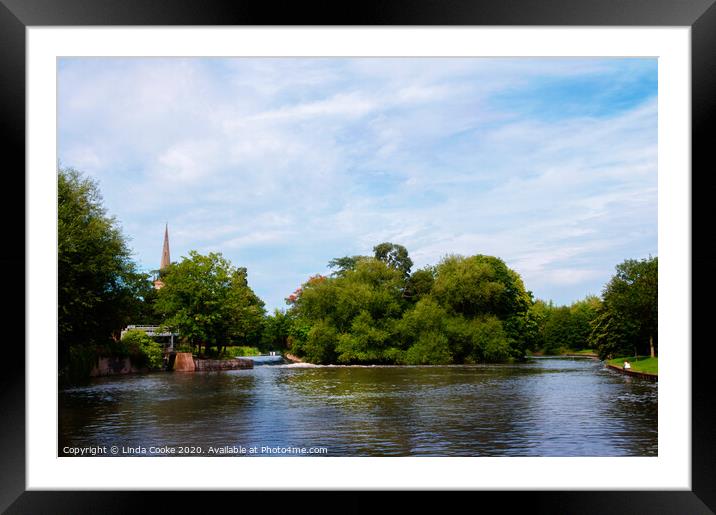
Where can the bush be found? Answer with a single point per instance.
(142, 350)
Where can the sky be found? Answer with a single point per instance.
(282, 164)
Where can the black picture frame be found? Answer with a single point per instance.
(17, 15)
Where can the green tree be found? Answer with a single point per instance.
(557, 330)
(320, 345)
(146, 312)
(628, 319)
(582, 313)
(99, 287)
(539, 312)
(563, 328)
(483, 286)
(344, 264)
(372, 286)
(395, 256)
(276, 330)
(374, 311)
(613, 334)
(366, 342)
(480, 285)
(358, 308)
(432, 348)
(419, 284)
(208, 301)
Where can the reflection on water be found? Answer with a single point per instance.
(545, 407)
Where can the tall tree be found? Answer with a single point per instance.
(344, 264)
(99, 287)
(628, 319)
(208, 301)
(350, 315)
(480, 285)
(276, 330)
(395, 256)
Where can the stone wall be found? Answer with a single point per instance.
(113, 366)
(206, 365)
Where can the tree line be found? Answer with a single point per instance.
(369, 309)
(372, 309)
(623, 322)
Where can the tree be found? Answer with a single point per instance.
(276, 330)
(208, 301)
(351, 316)
(99, 287)
(432, 348)
(244, 311)
(374, 311)
(344, 264)
(395, 256)
(562, 328)
(628, 319)
(557, 330)
(372, 286)
(320, 346)
(480, 285)
(582, 313)
(419, 284)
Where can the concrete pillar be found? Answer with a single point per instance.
(184, 362)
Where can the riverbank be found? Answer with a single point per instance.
(642, 366)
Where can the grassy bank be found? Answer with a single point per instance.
(643, 364)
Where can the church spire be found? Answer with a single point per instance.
(166, 260)
(165, 250)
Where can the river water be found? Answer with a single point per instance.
(545, 407)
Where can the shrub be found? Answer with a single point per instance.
(142, 350)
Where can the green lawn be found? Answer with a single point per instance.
(640, 364)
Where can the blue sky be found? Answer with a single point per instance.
(284, 164)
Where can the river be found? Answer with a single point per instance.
(544, 407)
